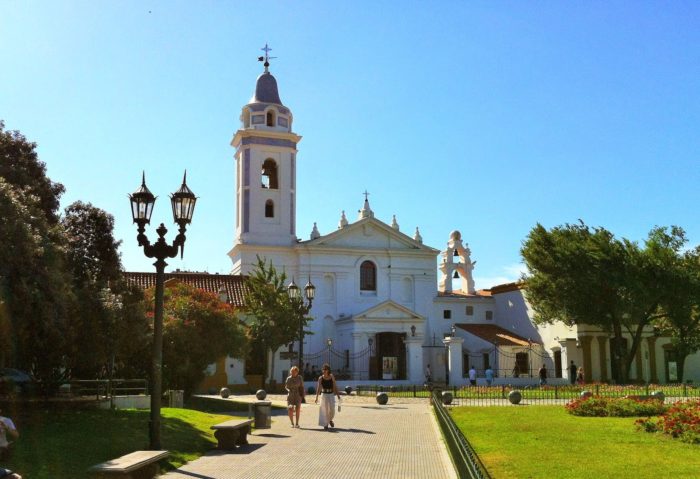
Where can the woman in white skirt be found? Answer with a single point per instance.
(327, 388)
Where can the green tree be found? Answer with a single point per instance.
(93, 260)
(583, 275)
(21, 167)
(198, 329)
(34, 285)
(680, 275)
(272, 318)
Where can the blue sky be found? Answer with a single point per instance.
(486, 117)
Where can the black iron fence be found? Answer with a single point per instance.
(101, 388)
(345, 366)
(555, 394)
(467, 462)
(560, 394)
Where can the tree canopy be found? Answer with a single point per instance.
(272, 317)
(198, 329)
(20, 166)
(583, 275)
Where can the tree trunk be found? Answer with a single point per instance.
(272, 368)
(619, 364)
(636, 342)
(680, 359)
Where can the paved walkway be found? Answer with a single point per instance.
(399, 440)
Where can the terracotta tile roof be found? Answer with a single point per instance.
(507, 287)
(234, 284)
(459, 294)
(495, 334)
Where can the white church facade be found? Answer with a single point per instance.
(388, 306)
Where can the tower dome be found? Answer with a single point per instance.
(266, 90)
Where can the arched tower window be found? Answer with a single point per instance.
(270, 118)
(368, 276)
(269, 174)
(269, 209)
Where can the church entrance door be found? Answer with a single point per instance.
(389, 360)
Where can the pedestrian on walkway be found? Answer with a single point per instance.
(295, 394)
(327, 388)
(428, 374)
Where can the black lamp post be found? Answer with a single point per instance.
(142, 201)
(303, 309)
(329, 342)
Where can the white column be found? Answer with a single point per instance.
(414, 359)
(455, 359)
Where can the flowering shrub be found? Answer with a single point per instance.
(618, 407)
(681, 420)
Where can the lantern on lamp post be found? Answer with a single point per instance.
(302, 307)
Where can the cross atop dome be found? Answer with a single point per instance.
(267, 57)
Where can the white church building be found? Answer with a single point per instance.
(388, 306)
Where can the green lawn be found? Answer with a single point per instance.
(546, 442)
(64, 443)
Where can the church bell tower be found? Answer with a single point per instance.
(265, 157)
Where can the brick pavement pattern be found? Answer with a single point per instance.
(400, 440)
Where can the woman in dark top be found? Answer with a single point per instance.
(328, 390)
(295, 393)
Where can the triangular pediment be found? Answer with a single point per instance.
(369, 233)
(388, 310)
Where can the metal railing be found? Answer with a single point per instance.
(395, 391)
(465, 459)
(531, 394)
(101, 388)
(560, 394)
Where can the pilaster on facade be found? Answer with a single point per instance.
(653, 375)
(455, 359)
(603, 357)
(414, 358)
(587, 363)
(638, 363)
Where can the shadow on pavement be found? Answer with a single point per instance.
(339, 429)
(271, 435)
(383, 407)
(245, 449)
(193, 474)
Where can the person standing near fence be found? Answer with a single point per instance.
(295, 394)
(572, 372)
(579, 376)
(472, 376)
(428, 374)
(328, 389)
(489, 375)
(543, 375)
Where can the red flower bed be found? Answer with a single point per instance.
(681, 420)
(614, 407)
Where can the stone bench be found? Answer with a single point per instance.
(232, 433)
(137, 465)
